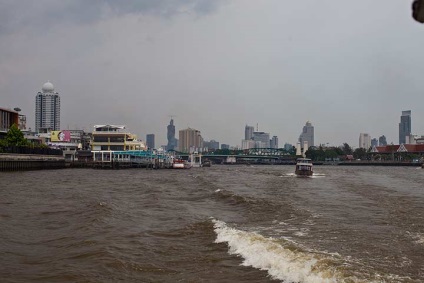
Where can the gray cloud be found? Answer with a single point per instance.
(349, 67)
(42, 14)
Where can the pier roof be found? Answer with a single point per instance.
(400, 148)
(109, 127)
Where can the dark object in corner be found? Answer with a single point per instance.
(418, 10)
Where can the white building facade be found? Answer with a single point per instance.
(364, 140)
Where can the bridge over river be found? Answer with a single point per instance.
(247, 156)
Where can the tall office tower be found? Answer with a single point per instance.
(374, 142)
(47, 109)
(307, 134)
(172, 141)
(190, 140)
(261, 139)
(274, 142)
(225, 146)
(364, 140)
(404, 126)
(248, 132)
(150, 140)
(213, 144)
(382, 140)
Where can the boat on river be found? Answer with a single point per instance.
(179, 163)
(206, 163)
(304, 167)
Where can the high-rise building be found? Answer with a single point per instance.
(288, 147)
(364, 140)
(190, 140)
(211, 145)
(247, 144)
(47, 109)
(261, 139)
(382, 141)
(172, 141)
(225, 146)
(404, 126)
(274, 142)
(150, 141)
(374, 142)
(307, 134)
(248, 132)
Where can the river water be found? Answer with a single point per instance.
(218, 224)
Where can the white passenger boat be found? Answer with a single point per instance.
(304, 167)
(178, 163)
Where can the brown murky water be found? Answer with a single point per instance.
(218, 224)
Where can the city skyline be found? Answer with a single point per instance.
(135, 64)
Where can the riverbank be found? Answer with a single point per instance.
(380, 163)
(23, 162)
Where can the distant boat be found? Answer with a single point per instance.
(206, 163)
(180, 164)
(304, 167)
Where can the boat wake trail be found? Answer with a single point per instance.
(285, 260)
(293, 175)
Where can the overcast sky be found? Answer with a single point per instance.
(347, 66)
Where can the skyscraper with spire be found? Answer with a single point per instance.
(47, 109)
(172, 141)
(404, 126)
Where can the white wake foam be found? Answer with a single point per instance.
(283, 263)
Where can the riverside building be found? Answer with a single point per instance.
(47, 109)
(114, 138)
(8, 117)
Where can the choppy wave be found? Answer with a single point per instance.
(251, 203)
(232, 198)
(285, 261)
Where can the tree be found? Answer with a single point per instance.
(347, 150)
(360, 153)
(14, 137)
(316, 154)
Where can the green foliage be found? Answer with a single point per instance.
(360, 153)
(323, 153)
(347, 150)
(14, 137)
(316, 154)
